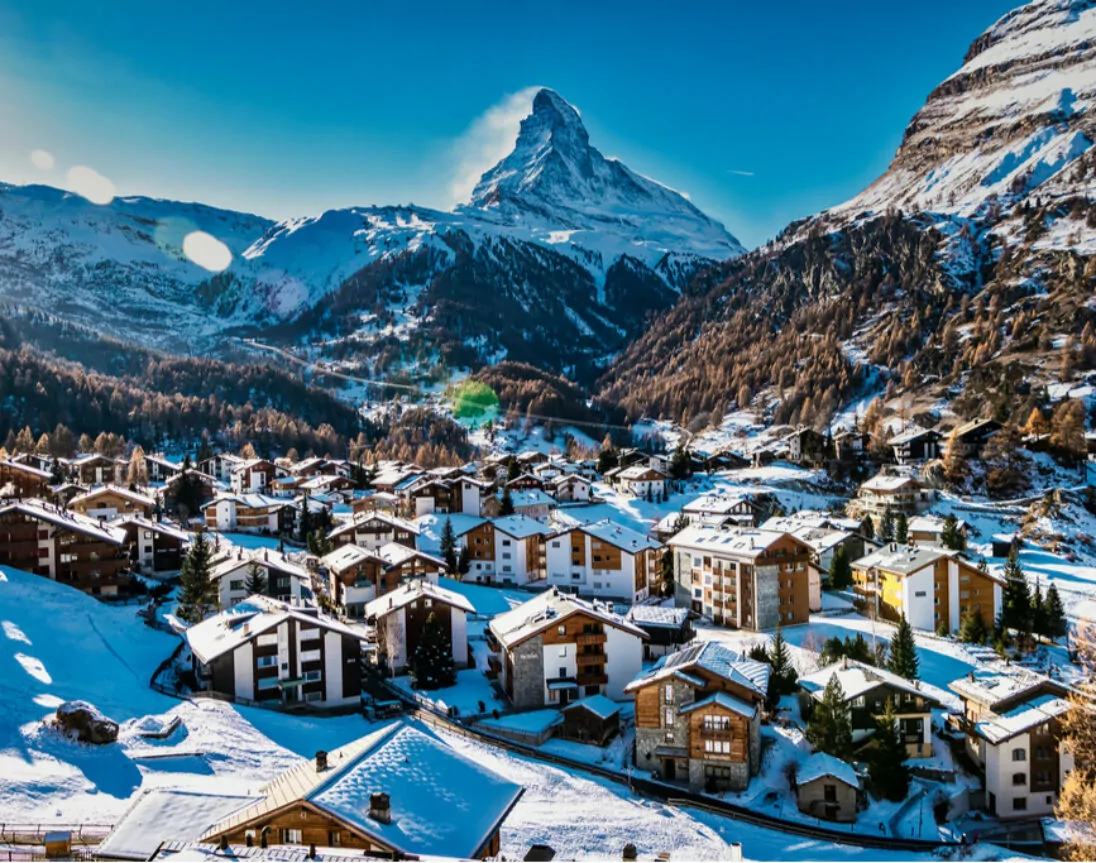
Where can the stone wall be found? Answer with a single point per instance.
(529, 673)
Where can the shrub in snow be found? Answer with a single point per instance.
(86, 722)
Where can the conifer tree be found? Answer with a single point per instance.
(513, 469)
(886, 533)
(1016, 601)
(890, 775)
(867, 528)
(830, 726)
(840, 569)
(507, 506)
(1038, 615)
(902, 659)
(449, 545)
(901, 529)
(973, 630)
(199, 594)
(783, 678)
(464, 560)
(952, 537)
(256, 579)
(432, 664)
(1055, 614)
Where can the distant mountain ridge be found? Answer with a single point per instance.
(571, 249)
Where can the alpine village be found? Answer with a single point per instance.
(635, 545)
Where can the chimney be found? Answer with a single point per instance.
(321, 760)
(380, 808)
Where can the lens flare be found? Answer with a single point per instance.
(207, 251)
(90, 184)
(42, 159)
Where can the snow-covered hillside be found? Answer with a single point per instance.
(120, 267)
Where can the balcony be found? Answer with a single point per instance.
(716, 733)
(586, 638)
(592, 679)
(587, 659)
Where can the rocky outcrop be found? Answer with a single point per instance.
(84, 722)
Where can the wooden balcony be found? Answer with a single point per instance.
(716, 733)
(592, 679)
(585, 638)
(590, 659)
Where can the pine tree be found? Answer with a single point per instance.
(955, 461)
(1038, 615)
(890, 775)
(902, 659)
(255, 583)
(1056, 625)
(464, 560)
(840, 569)
(432, 664)
(830, 726)
(901, 529)
(449, 545)
(513, 469)
(507, 506)
(1016, 601)
(867, 528)
(199, 593)
(887, 532)
(952, 537)
(973, 628)
(783, 679)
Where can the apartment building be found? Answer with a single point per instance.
(604, 560)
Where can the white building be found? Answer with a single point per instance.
(400, 616)
(603, 559)
(642, 480)
(285, 580)
(272, 652)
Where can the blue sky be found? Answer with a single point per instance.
(762, 113)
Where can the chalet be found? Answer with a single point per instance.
(668, 629)
(594, 719)
(357, 576)
(557, 648)
(65, 546)
(525, 482)
(929, 585)
(373, 529)
(427, 494)
(282, 579)
(220, 466)
(570, 487)
(154, 546)
(400, 615)
(698, 717)
(375, 501)
(603, 559)
(18, 479)
(929, 530)
(531, 457)
(807, 446)
(398, 793)
(895, 493)
(159, 469)
(643, 481)
(827, 787)
(849, 445)
(110, 501)
(255, 476)
(742, 578)
(394, 478)
(508, 550)
(1012, 721)
(721, 459)
(96, 469)
(972, 436)
(532, 503)
(867, 691)
(249, 513)
(321, 484)
(743, 508)
(272, 652)
(915, 445)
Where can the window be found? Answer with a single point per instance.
(1019, 804)
(333, 838)
(562, 629)
(1019, 755)
(717, 747)
(311, 676)
(266, 661)
(717, 723)
(920, 593)
(236, 584)
(291, 836)
(562, 671)
(506, 542)
(829, 793)
(668, 717)
(1019, 778)
(668, 693)
(555, 544)
(858, 701)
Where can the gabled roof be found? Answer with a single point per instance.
(161, 527)
(823, 764)
(658, 615)
(442, 802)
(362, 518)
(616, 535)
(1022, 718)
(884, 482)
(910, 435)
(599, 705)
(120, 491)
(529, 497)
(67, 520)
(412, 591)
(548, 609)
(394, 554)
(997, 683)
(859, 678)
(709, 656)
(268, 558)
(346, 556)
(22, 467)
(722, 699)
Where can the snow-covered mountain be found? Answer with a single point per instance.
(1008, 123)
(572, 249)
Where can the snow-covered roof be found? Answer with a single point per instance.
(159, 814)
(251, 501)
(228, 629)
(1022, 718)
(395, 554)
(412, 591)
(658, 615)
(709, 656)
(885, 482)
(66, 519)
(520, 526)
(737, 541)
(722, 699)
(100, 490)
(637, 471)
(442, 802)
(617, 535)
(346, 556)
(362, 518)
(163, 528)
(902, 559)
(717, 503)
(990, 685)
(550, 608)
(268, 558)
(909, 435)
(858, 678)
(599, 705)
(822, 764)
(23, 467)
(524, 497)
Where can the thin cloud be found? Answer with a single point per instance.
(740, 173)
(490, 138)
